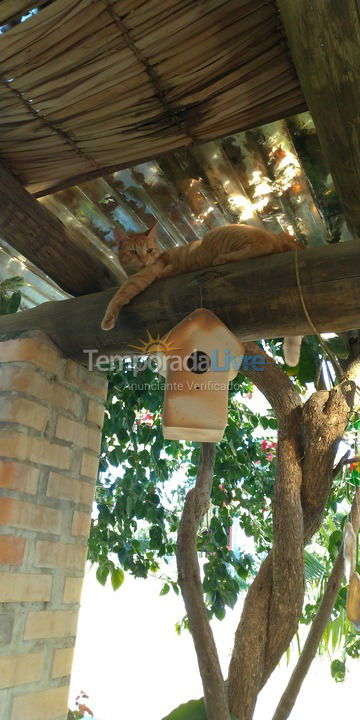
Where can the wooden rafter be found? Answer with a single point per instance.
(324, 42)
(255, 299)
(42, 238)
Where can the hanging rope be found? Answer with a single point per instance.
(337, 367)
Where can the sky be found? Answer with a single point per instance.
(135, 667)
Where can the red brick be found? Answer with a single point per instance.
(92, 382)
(16, 476)
(60, 555)
(43, 705)
(78, 433)
(11, 550)
(25, 587)
(50, 624)
(67, 488)
(23, 412)
(29, 516)
(25, 447)
(31, 351)
(20, 669)
(30, 381)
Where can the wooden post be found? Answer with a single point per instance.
(323, 36)
(256, 299)
(42, 238)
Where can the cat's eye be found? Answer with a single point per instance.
(133, 252)
(149, 250)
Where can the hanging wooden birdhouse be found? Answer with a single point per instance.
(204, 358)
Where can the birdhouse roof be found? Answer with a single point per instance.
(202, 323)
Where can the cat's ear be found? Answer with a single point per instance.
(119, 236)
(153, 231)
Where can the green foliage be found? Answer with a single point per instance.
(144, 479)
(10, 296)
(139, 502)
(338, 670)
(192, 710)
(314, 569)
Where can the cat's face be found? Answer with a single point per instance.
(137, 250)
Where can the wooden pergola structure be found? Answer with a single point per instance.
(89, 88)
(68, 118)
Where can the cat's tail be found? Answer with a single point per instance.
(292, 347)
(131, 287)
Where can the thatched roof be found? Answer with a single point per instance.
(91, 86)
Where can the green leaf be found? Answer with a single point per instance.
(117, 578)
(192, 710)
(14, 302)
(12, 283)
(102, 573)
(338, 670)
(308, 364)
(338, 346)
(165, 589)
(314, 569)
(334, 544)
(156, 538)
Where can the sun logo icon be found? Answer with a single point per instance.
(155, 345)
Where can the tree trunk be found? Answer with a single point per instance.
(308, 440)
(196, 505)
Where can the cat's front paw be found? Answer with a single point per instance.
(108, 321)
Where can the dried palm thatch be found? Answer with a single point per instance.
(91, 86)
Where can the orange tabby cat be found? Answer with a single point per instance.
(140, 254)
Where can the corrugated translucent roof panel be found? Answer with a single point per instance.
(38, 288)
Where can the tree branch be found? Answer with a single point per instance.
(273, 605)
(196, 505)
(319, 623)
(308, 441)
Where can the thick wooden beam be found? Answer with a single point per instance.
(323, 36)
(256, 299)
(41, 237)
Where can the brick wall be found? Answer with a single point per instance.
(51, 412)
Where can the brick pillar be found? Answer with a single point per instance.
(51, 412)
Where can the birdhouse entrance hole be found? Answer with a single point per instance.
(198, 362)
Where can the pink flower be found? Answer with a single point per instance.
(146, 419)
(270, 456)
(266, 444)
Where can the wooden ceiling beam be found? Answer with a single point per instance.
(324, 43)
(256, 299)
(38, 235)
